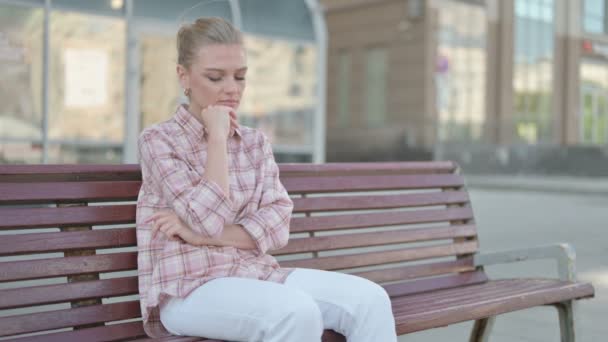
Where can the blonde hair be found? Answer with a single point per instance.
(204, 31)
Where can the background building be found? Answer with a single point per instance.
(498, 85)
(80, 79)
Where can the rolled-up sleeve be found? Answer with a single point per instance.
(201, 203)
(269, 225)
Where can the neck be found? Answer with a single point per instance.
(195, 109)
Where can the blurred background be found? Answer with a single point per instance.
(512, 86)
(515, 91)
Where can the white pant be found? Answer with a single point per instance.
(240, 309)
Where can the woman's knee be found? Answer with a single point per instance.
(299, 316)
(374, 297)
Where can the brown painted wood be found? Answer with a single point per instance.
(18, 193)
(344, 183)
(431, 284)
(21, 218)
(56, 267)
(115, 332)
(50, 294)
(342, 241)
(383, 257)
(349, 221)
(322, 204)
(63, 241)
(481, 301)
(58, 319)
(370, 168)
(65, 173)
(418, 271)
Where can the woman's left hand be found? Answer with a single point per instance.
(168, 223)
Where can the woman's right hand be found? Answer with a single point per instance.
(219, 121)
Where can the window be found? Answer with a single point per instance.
(344, 88)
(20, 84)
(533, 71)
(460, 71)
(375, 96)
(87, 70)
(594, 16)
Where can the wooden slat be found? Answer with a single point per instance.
(21, 218)
(50, 294)
(323, 223)
(383, 257)
(58, 319)
(369, 168)
(328, 336)
(66, 173)
(342, 241)
(418, 271)
(56, 267)
(64, 241)
(433, 284)
(321, 204)
(473, 304)
(18, 193)
(343, 183)
(114, 332)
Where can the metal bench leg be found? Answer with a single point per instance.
(566, 311)
(481, 330)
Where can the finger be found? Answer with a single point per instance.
(151, 218)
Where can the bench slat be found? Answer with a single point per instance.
(65, 241)
(21, 218)
(418, 271)
(321, 204)
(323, 223)
(371, 168)
(343, 183)
(376, 258)
(432, 284)
(68, 192)
(325, 243)
(114, 332)
(50, 294)
(56, 267)
(73, 172)
(66, 318)
(411, 318)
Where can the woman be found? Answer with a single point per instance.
(211, 207)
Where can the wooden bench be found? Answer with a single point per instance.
(68, 256)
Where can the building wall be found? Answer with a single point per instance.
(358, 31)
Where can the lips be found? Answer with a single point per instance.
(229, 103)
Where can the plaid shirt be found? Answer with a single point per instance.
(173, 156)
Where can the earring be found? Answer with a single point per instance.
(187, 92)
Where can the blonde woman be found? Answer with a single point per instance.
(211, 207)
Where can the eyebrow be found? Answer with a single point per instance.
(222, 70)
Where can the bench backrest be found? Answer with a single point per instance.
(68, 255)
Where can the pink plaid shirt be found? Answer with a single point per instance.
(173, 157)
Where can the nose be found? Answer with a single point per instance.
(231, 86)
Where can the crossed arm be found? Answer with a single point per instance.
(201, 212)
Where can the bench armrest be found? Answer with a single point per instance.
(563, 253)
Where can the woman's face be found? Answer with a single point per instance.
(216, 76)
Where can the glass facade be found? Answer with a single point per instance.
(87, 68)
(533, 71)
(460, 71)
(594, 16)
(20, 84)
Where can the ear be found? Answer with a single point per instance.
(184, 76)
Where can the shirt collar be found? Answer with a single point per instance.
(187, 120)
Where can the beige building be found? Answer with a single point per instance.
(506, 85)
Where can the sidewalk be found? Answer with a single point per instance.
(560, 184)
